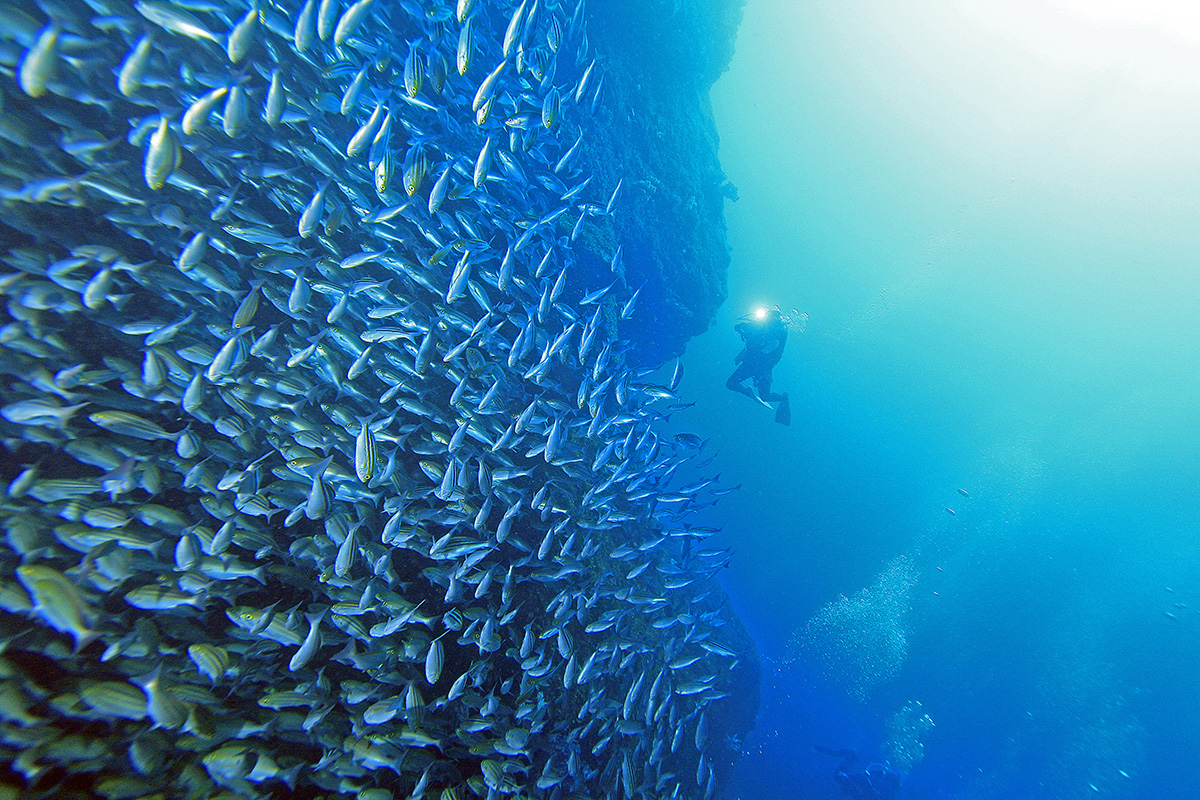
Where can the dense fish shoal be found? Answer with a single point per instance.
(327, 468)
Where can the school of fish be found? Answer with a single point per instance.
(324, 473)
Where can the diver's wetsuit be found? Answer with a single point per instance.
(764, 347)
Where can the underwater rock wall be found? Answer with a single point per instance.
(325, 471)
(655, 129)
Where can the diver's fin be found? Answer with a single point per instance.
(783, 413)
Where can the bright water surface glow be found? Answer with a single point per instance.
(989, 211)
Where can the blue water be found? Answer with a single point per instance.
(989, 215)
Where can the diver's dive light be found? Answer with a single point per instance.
(796, 321)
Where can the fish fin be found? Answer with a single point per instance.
(82, 641)
(318, 469)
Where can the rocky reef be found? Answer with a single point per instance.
(656, 129)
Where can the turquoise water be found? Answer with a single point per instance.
(989, 215)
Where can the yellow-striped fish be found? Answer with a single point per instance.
(38, 66)
(414, 173)
(115, 699)
(383, 173)
(365, 451)
(466, 48)
(57, 601)
(162, 155)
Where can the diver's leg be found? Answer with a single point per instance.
(783, 412)
(763, 382)
(739, 377)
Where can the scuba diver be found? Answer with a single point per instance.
(876, 781)
(765, 334)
